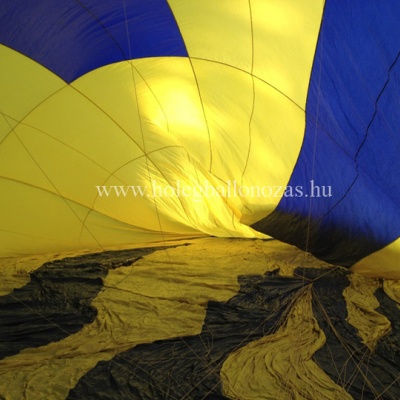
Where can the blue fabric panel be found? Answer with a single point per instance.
(352, 122)
(72, 38)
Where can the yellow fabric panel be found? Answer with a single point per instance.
(285, 37)
(387, 259)
(206, 211)
(47, 152)
(280, 366)
(145, 211)
(282, 35)
(256, 159)
(112, 90)
(85, 131)
(62, 224)
(171, 110)
(77, 139)
(263, 109)
(216, 33)
(112, 232)
(227, 95)
(71, 174)
(6, 126)
(274, 153)
(16, 163)
(37, 225)
(24, 84)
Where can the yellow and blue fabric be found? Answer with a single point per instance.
(152, 93)
(350, 141)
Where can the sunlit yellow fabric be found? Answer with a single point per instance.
(161, 124)
(284, 44)
(279, 68)
(221, 34)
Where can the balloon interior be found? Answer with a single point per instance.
(199, 199)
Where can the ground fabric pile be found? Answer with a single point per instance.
(249, 321)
